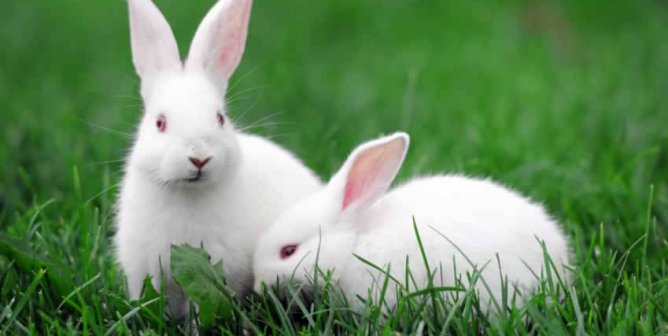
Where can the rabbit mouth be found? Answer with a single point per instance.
(197, 177)
(191, 180)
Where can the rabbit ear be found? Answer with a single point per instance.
(220, 40)
(153, 45)
(370, 170)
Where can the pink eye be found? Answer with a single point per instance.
(161, 123)
(221, 119)
(288, 250)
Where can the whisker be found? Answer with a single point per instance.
(104, 128)
(251, 89)
(133, 106)
(236, 98)
(244, 76)
(267, 124)
(278, 135)
(101, 163)
(263, 119)
(240, 117)
(112, 186)
(129, 136)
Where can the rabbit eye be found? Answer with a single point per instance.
(288, 250)
(221, 119)
(161, 123)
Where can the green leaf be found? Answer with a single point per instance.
(202, 282)
(150, 294)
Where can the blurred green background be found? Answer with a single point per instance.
(563, 100)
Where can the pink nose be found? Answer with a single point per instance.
(199, 163)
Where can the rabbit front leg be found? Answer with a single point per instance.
(135, 275)
(178, 305)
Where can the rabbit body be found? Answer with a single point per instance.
(465, 224)
(191, 176)
(225, 219)
(481, 218)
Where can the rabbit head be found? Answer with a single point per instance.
(323, 228)
(185, 137)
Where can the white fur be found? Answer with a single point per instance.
(480, 217)
(245, 185)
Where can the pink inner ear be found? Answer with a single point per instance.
(372, 172)
(366, 166)
(234, 38)
(226, 57)
(352, 192)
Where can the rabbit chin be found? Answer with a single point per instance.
(200, 180)
(209, 178)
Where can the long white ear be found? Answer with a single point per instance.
(369, 171)
(153, 45)
(220, 40)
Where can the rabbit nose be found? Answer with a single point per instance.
(198, 162)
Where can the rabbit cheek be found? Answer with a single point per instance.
(171, 163)
(147, 158)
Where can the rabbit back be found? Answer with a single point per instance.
(463, 223)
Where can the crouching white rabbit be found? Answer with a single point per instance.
(191, 177)
(465, 224)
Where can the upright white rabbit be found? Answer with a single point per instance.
(191, 177)
(353, 215)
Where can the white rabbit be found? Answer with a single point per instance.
(352, 215)
(191, 177)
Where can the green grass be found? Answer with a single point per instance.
(566, 101)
